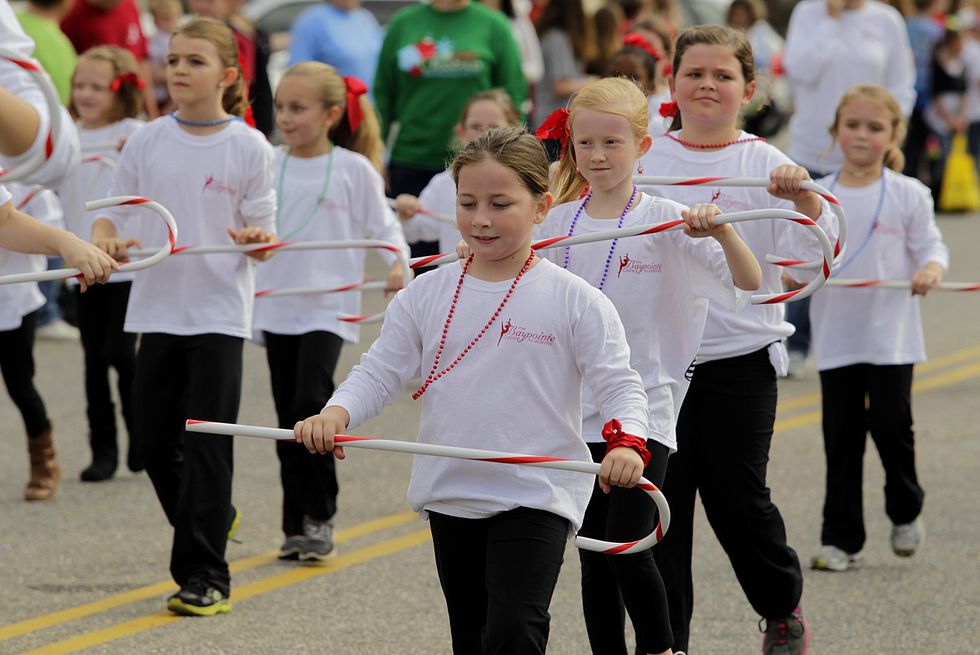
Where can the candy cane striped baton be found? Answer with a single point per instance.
(294, 246)
(898, 284)
(154, 256)
(442, 218)
(305, 291)
(455, 452)
(37, 158)
(733, 217)
(809, 185)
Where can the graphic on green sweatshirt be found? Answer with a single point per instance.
(428, 58)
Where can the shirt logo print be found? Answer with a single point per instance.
(214, 184)
(637, 267)
(518, 334)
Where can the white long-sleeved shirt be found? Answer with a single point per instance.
(661, 286)
(519, 389)
(728, 333)
(93, 179)
(354, 207)
(439, 197)
(825, 56)
(209, 183)
(19, 300)
(878, 326)
(13, 78)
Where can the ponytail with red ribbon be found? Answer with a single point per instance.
(126, 78)
(355, 89)
(634, 40)
(668, 109)
(554, 127)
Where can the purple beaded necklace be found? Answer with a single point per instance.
(612, 248)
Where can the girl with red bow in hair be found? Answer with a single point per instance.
(194, 313)
(329, 188)
(106, 98)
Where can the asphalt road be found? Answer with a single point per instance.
(88, 570)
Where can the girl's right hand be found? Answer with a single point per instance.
(317, 432)
(94, 263)
(699, 221)
(117, 248)
(463, 249)
(406, 205)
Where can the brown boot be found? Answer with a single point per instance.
(45, 472)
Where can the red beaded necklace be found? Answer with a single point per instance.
(433, 375)
(700, 146)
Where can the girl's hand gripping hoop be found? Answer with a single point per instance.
(37, 159)
(153, 256)
(442, 218)
(809, 185)
(411, 447)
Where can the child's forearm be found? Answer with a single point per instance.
(102, 229)
(21, 233)
(746, 272)
(19, 123)
(811, 206)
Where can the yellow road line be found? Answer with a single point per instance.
(956, 357)
(161, 588)
(945, 379)
(243, 593)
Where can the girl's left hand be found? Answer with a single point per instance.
(926, 279)
(785, 182)
(395, 280)
(248, 235)
(621, 467)
(700, 221)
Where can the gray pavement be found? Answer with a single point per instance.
(89, 569)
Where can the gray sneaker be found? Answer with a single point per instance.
(832, 558)
(318, 543)
(907, 538)
(292, 547)
(786, 636)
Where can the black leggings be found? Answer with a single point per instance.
(301, 367)
(498, 575)
(612, 583)
(17, 367)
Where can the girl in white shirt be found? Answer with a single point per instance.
(505, 341)
(18, 307)
(661, 286)
(214, 173)
(723, 453)
(866, 341)
(105, 100)
(484, 111)
(327, 190)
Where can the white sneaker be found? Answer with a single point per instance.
(797, 364)
(907, 538)
(58, 330)
(832, 558)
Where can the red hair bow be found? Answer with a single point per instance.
(637, 41)
(355, 89)
(554, 127)
(127, 78)
(668, 109)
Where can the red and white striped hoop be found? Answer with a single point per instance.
(37, 159)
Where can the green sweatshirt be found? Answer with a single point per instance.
(431, 63)
(53, 50)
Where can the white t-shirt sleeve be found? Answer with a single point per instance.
(603, 357)
(812, 41)
(925, 242)
(4, 195)
(900, 71)
(258, 206)
(393, 359)
(380, 221)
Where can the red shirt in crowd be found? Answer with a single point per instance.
(88, 25)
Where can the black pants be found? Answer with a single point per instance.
(408, 179)
(301, 367)
(846, 422)
(498, 576)
(101, 313)
(611, 583)
(17, 367)
(723, 436)
(181, 377)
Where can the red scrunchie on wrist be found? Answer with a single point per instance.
(613, 433)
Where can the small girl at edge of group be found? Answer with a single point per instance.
(499, 532)
(328, 190)
(484, 111)
(640, 60)
(106, 98)
(661, 286)
(866, 341)
(194, 312)
(726, 422)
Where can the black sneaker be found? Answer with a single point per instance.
(786, 636)
(99, 470)
(318, 541)
(198, 598)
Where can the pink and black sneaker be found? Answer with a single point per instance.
(786, 636)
